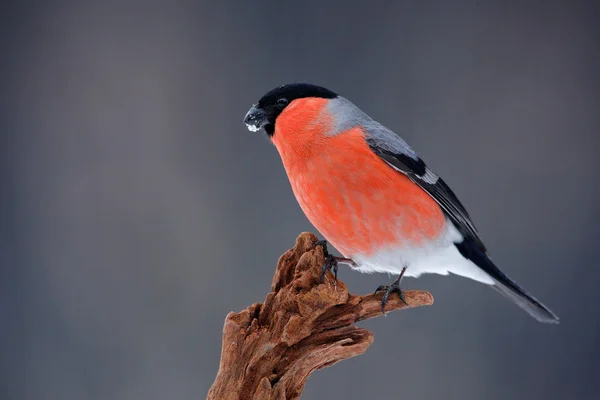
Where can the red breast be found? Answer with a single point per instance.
(357, 201)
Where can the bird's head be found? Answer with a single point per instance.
(279, 101)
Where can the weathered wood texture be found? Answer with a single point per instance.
(270, 349)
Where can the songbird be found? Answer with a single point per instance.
(372, 197)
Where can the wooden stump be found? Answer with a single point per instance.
(270, 349)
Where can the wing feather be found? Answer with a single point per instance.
(413, 167)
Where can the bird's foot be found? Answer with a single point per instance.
(389, 289)
(331, 261)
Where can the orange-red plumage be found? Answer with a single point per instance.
(352, 205)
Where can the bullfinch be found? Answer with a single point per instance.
(372, 197)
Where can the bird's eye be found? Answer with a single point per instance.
(281, 103)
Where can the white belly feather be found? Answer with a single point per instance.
(438, 257)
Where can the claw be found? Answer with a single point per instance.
(331, 261)
(323, 271)
(389, 289)
(380, 288)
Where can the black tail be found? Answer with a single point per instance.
(506, 286)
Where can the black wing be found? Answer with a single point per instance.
(417, 171)
(400, 157)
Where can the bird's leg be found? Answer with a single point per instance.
(394, 287)
(331, 261)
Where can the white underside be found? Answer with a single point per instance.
(438, 257)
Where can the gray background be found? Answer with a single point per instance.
(137, 210)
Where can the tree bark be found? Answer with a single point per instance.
(270, 349)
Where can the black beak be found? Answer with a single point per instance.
(255, 119)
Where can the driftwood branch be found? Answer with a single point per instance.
(270, 349)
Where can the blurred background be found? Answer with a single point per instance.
(137, 210)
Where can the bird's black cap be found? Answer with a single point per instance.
(264, 114)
